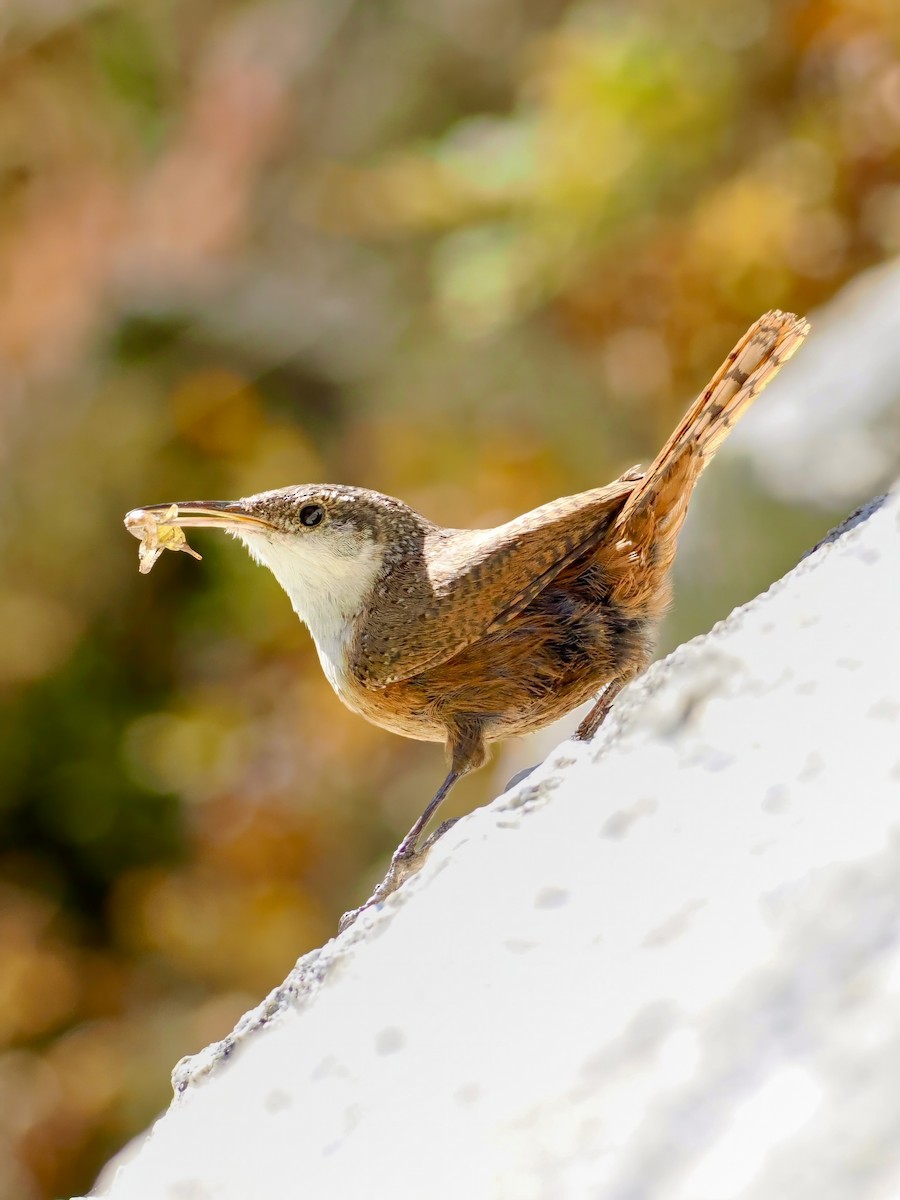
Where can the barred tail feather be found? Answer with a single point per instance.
(752, 364)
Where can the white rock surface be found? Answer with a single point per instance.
(666, 965)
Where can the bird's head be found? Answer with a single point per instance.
(325, 544)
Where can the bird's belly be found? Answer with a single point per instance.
(536, 713)
(553, 657)
(400, 707)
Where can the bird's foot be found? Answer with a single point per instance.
(407, 861)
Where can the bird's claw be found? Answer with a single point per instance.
(407, 861)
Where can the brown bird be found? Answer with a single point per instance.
(464, 636)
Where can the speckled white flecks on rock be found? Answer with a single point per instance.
(666, 965)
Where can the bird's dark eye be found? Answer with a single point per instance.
(311, 514)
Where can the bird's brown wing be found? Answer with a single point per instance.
(461, 584)
(469, 582)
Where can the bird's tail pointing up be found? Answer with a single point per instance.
(753, 363)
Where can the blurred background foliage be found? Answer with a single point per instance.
(476, 253)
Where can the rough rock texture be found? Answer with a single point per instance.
(665, 965)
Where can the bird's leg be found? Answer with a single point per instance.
(465, 741)
(407, 848)
(598, 714)
(407, 859)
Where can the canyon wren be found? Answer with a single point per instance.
(464, 636)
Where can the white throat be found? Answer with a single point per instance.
(327, 582)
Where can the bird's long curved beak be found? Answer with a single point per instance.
(207, 514)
